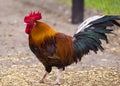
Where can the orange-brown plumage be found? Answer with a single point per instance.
(40, 32)
(64, 48)
(44, 37)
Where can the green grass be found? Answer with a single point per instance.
(105, 6)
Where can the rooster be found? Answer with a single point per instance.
(57, 49)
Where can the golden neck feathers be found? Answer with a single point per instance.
(40, 32)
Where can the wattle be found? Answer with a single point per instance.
(29, 28)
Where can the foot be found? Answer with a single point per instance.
(54, 83)
(41, 81)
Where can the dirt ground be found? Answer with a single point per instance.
(19, 67)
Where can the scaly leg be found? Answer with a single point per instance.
(57, 81)
(44, 76)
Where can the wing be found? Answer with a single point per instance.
(89, 33)
(64, 49)
(47, 48)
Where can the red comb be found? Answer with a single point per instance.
(32, 16)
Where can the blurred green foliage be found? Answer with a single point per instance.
(105, 6)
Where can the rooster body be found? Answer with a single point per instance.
(60, 50)
(47, 45)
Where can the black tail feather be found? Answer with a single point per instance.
(116, 23)
(90, 38)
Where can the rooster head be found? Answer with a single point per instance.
(29, 20)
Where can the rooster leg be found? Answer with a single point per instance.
(42, 79)
(57, 81)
